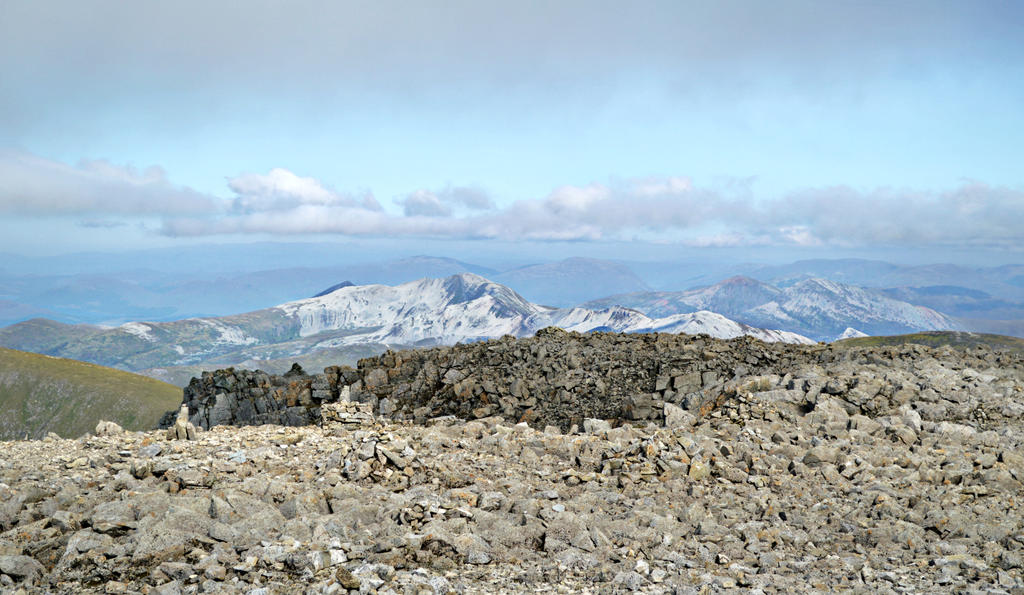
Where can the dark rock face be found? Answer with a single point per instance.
(246, 397)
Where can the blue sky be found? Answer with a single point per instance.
(819, 126)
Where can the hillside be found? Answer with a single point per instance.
(940, 339)
(40, 394)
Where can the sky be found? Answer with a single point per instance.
(795, 127)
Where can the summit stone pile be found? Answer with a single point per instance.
(784, 469)
(561, 378)
(253, 397)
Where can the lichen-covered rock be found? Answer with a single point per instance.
(108, 428)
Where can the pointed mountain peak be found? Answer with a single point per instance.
(819, 284)
(334, 288)
(468, 286)
(740, 280)
(740, 283)
(851, 333)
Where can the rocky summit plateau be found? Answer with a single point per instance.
(561, 462)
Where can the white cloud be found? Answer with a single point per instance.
(103, 194)
(469, 197)
(576, 200)
(974, 213)
(424, 203)
(672, 209)
(281, 189)
(661, 186)
(445, 202)
(34, 186)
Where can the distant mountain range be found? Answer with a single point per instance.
(1002, 282)
(980, 298)
(112, 298)
(426, 300)
(817, 308)
(350, 319)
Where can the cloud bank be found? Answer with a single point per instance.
(282, 190)
(30, 185)
(462, 51)
(674, 209)
(386, 42)
(670, 208)
(444, 202)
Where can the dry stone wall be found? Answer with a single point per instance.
(559, 378)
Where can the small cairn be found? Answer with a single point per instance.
(182, 429)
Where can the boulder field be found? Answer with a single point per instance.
(559, 463)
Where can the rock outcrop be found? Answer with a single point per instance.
(561, 378)
(251, 397)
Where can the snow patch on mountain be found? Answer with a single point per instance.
(839, 301)
(228, 335)
(851, 333)
(140, 330)
(582, 320)
(774, 310)
(720, 327)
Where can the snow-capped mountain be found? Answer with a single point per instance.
(851, 333)
(719, 326)
(468, 307)
(817, 308)
(463, 307)
(460, 308)
(735, 294)
(826, 308)
(729, 297)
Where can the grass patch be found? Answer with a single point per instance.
(956, 339)
(40, 394)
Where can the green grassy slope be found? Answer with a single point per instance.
(40, 394)
(939, 339)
